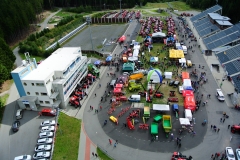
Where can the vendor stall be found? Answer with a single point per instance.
(189, 103)
(128, 67)
(187, 93)
(176, 54)
(168, 75)
(119, 86)
(161, 107)
(187, 84)
(153, 59)
(184, 122)
(185, 75)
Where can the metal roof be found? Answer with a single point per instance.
(216, 16)
(224, 23)
(204, 13)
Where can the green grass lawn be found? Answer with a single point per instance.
(153, 5)
(181, 6)
(67, 138)
(102, 155)
(64, 14)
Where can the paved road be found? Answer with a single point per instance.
(18, 61)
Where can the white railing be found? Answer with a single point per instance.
(69, 35)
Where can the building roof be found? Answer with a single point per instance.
(59, 60)
(224, 23)
(204, 13)
(216, 16)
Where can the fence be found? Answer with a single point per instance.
(69, 35)
(110, 20)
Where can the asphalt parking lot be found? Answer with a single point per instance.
(98, 33)
(25, 140)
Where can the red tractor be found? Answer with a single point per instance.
(158, 94)
(74, 101)
(142, 94)
(178, 156)
(172, 94)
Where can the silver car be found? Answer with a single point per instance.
(230, 153)
(40, 155)
(48, 123)
(45, 134)
(44, 141)
(43, 148)
(48, 129)
(238, 153)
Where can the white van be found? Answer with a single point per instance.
(134, 98)
(188, 114)
(112, 84)
(220, 95)
(184, 49)
(180, 89)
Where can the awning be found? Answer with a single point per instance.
(153, 59)
(158, 34)
(161, 107)
(184, 121)
(109, 58)
(97, 62)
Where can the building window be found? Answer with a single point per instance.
(32, 84)
(24, 83)
(41, 101)
(44, 94)
(36, 93)
(28, 93)
(47, 102)
(39, 84)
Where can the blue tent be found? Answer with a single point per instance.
(109, 58)
(97, 62)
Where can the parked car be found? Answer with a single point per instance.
(44, 140)
(19, 114)
(15, 126)
(48, 129)
(45, 134)
(23, 157)
(48, 123)
(48, 112)
(230, 153)
(43, 148)
(39, 155)
(238, 153)
(220, 95)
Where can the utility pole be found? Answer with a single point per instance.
(120, 4)
(89, 20)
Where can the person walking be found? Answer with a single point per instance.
(117, 141)
(228, 126)
(218, 130)
(115, 145)
(93, 154)
(211, 126)
(110, 141)
(90, 107)
(223, 120)
(212, 156)
(95, 95)
(220, 119)
(179, 145)
(100, 85)
(100, 107)
(96, 155)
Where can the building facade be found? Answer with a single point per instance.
(54, 79)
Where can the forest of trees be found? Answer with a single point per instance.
(17, 17)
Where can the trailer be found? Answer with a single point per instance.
(167, 123)
(154, 128)
(146, 113)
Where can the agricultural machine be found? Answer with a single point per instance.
(133, 86)
(74, 101)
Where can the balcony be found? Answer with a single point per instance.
(54, 95)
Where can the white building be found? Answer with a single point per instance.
(52, 82)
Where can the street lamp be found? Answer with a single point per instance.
(89, 20)
(120, 4)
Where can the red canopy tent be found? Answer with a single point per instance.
(187, 93)
(119, 86)
(189, 103)
(122, 39)
(185, 75)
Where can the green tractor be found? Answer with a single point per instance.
(133, 86)
(93, 69)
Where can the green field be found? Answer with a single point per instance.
(67, 138)
(181, 6)
(153, 5)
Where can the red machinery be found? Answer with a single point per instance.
(74, 101)
(143, 126)
(158, 95)
(172, 93)
(121, 98)
(142, 94)
(129, 124)
(178, 156)
(91, 77)
(173, 99)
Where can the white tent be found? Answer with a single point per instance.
(182, 61)
(135, 52)
(168, 75)
(153, 59)
(132, 58)
(187, 83)
(158, 34)
(184, 121)
(161, 107)
(136, 47)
